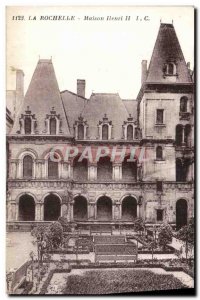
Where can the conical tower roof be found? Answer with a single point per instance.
(167, 49)
(43, 96)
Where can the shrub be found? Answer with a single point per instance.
(165, 235)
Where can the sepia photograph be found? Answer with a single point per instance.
(100, 150)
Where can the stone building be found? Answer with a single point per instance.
(156, 184)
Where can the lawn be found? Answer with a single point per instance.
(121, 281)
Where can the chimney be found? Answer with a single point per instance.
(144, 71)
(19, 89)
(188, 65)
(81, 87)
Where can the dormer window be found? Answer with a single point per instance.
(80, 132)
(169, 69)
(53, 123)
(27, 125)
(105, 129)
(129, 132)
(105, 132)
(80, 128)
(129, 129)
(27, 122)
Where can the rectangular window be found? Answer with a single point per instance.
(159, 214)
(159, 186)
(160, 116)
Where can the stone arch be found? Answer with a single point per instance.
(27, 151)
(52, 207)
(80, 208)
(26, 204)
(104, 208)
(57, 151)
(181, 213)
(53, 168)
(129, 208)
(26, 193)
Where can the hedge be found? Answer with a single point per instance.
(111, 265)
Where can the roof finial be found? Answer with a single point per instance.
(39, 57)
(172, 21)
(160, 21)
(51, 58)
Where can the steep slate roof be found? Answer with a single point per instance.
(73, 105)
(131, 107)
(167, 47)
(43, 94)
(101, 104)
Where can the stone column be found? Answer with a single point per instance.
(42, 211)
(71, 210)
(65, 170)
(117, 171)
(20, 168)
(13, 168)
(38, 211)
(11, 210)
(16, 211)
(138, 211)
(117, 211)
(91, 211)
(92, 171)
(38, 168)
(183, 135)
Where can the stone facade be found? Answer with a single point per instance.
(114, 192)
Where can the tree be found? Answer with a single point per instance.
(186, 234)
(139, 225)
(64, 223)
(42, 235)
(47, 238)
(56, 235)
(164, 235)
(152, 245)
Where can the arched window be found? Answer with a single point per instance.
(80, 132)
(129, 132)
(52, 168)
(159, 153)
(105, 132)
(27, 166)
(52, 126)
(170, 68)
(27, 125)
(183, 104)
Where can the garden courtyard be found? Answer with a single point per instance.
(55, 259)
